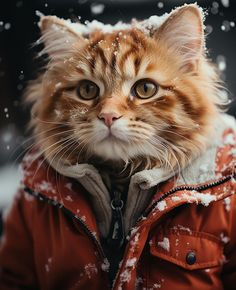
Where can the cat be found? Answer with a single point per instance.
(135, 179)
(125, 98)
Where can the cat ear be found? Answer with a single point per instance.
(183, 33)
(58, 36)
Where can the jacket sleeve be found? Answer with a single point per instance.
(229, 268)
(16, 248)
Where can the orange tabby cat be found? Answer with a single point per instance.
(131, 184)
(137, 96)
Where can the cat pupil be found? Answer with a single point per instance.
(87, 88)
(145, 86)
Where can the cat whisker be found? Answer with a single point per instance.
(41, 141)
(43, 151)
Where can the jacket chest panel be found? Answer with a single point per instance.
(189, 243)
(65, 253)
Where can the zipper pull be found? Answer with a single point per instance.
(116, 235)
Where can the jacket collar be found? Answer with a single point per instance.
(42, 178)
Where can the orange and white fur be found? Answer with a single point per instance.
(125, 99)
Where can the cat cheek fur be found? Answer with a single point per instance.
(169, 130)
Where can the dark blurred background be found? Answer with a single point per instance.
(19, 30)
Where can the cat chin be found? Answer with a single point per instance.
(115, 149)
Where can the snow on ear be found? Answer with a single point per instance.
(58, 36)
(183, 33)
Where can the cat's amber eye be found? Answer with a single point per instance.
(145, 89)
(87, 90)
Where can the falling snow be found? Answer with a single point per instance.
(160, 5)
(97, 8)
(226, 26)
(19, 4)
(232, 23)
(7, 136)
(215, 8)
(221, 62)
(7, 26)
(208, 29)
(225, 3)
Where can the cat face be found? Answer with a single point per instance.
(125, 94)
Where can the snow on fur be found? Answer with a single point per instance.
(229, 139)
(146, 26)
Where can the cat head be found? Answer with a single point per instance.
(135, 93)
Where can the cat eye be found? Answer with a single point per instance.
(87, 90)
(145, 89)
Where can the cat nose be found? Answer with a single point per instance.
(109, 118)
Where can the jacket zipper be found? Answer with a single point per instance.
(74, 217)
(116, 236)
(184, 187)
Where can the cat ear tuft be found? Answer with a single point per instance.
(183, 33)
(58, 36)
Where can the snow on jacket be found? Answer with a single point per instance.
(185, 238)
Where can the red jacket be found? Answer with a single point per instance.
(186, 238)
